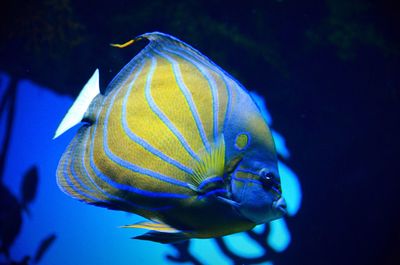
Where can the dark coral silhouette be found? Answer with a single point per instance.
(12, 207)
(184, 255)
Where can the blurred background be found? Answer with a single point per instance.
(327, 70)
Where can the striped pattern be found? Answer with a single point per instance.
(165, 109)
(161, 141)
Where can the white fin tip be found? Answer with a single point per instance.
(77, 111)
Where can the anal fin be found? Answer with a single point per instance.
(160, 227)
(161, 233)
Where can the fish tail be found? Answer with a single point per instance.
(78, 110)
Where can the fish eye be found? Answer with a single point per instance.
(266, 174)
(267, 177)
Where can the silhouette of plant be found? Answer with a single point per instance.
(184, 254)
(12, 207)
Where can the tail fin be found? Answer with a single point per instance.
(76, 113)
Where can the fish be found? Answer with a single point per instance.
(29, 187)
(44, 246)
(175, 139)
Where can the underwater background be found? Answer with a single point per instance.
(327, 72)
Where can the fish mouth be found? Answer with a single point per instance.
(280, 205)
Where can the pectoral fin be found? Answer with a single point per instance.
(208, 172)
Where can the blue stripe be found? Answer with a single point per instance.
(142, 142)
(245, 180)
(81, 192)
(120, 186)
(83, 155)
(162, 116)
(249, 171)
(133, 167)
(221, 72)
(198, 56)
(257, 174)
(189, 99)
(137, 169)
(213, 192)
(209, 180)
(117, 185)
(212, 84)
(206, 61)
(109, 195)
(76, 177)
(228, 104)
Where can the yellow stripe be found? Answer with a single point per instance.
(172, 102)
(70, 161)
(222, 98)
(122, 146)
(114, 171)
(144, 123)
(200, 90)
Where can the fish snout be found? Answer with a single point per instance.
(280, 205)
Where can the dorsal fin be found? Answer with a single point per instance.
(77, 111)
(158, 41)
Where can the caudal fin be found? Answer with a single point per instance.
(77, 111)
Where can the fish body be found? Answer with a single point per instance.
(177, 140)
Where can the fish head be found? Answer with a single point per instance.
(252, 162)
(255, 183)
(256, 188)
